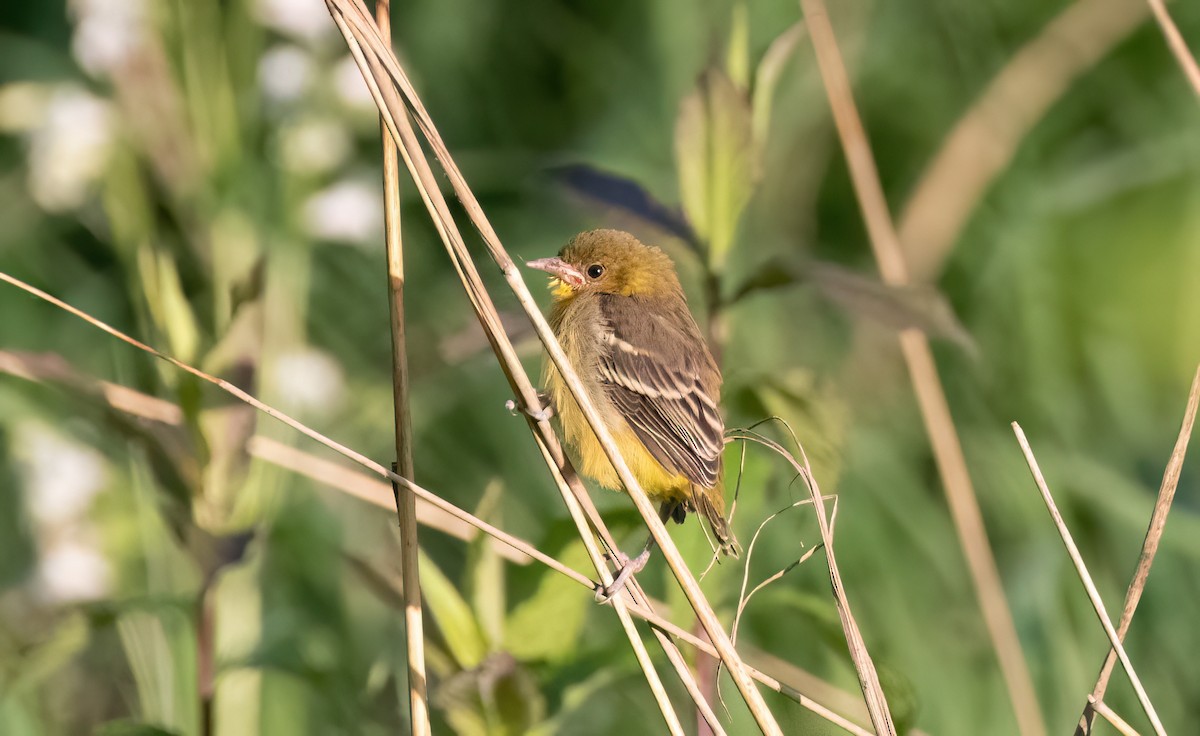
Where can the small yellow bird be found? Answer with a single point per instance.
(623, 321)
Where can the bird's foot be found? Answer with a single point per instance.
(541, 414)
(629, 568)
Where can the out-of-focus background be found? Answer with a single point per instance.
(206, 177)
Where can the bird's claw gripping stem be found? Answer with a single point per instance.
(629, 568)
(538, 415)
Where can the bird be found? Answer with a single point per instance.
(623, 321)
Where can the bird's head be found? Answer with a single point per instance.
(609, 262)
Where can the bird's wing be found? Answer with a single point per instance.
(656, 369)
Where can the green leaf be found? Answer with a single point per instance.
(452, 615)
(498, 697)
(169, 306)
(715, 158)
(766, 79)
(465, 720)
(547, 624)
(896, 307)
(159, 647)
(514, 701)
(899, 307)
(485, 569)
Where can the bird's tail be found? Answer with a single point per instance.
(710, 503)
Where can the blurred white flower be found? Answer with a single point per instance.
(305, 19)
(72, 570)
(314, 145)
(61, 476)
(349, 211)
(70, 148)
(285, 72)
(309, 379)
(106, 32)
(350, 87)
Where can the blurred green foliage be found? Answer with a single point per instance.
(205, 176)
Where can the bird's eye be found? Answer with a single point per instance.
(595, 271)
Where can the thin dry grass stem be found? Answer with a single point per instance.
(1086, 579)
(337, 447)
(1110, 715)
(1175, 42)
(1154, 532)
(864, 666)
(931, 396)
(743, 596)
(363, 34)
(267, 449)
(406, 502)
(985, 138)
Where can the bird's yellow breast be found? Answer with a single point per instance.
(658, 482)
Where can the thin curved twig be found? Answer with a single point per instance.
(864, 665)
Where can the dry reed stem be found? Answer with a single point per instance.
(395, 117)
(1175, 42)
(1110, 715)
(931, 396)
(1154, 532)
(406, 502)
(350, 13)
(984, 140)
(1086, 579)
(152, 407)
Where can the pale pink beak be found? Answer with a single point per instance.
(559, 269)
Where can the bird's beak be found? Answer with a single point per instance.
(559, 269)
